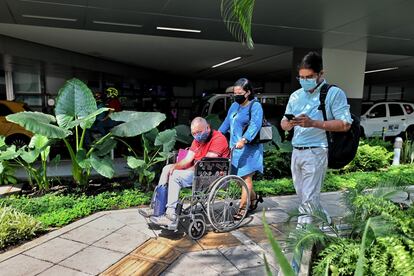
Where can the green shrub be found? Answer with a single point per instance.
(276, 164)
(59, 210)
(16, 226)
(369, 158)
(378, 142)
(336, 182)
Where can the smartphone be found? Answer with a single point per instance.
(289, 116)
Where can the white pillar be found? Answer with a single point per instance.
(8, 77)
(346, 69)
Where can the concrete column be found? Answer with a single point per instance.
(8, 76)
(346, 70)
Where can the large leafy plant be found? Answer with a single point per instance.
(39, 146)
(7, 153)
(75, 112)
(157, 148)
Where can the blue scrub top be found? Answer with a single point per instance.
(248, 159)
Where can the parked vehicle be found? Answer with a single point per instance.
(220, 103)
(15, 134)
(388, 119)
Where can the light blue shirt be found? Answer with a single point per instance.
(302, 102)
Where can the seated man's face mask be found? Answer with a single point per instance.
(202, 137)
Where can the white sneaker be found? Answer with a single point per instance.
(170, 221)
(146, 212)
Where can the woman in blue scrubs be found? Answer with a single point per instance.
(247, 158)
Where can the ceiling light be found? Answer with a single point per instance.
(117, 24)
(178, 30)
(49, 18)
(225, 62)
(381, 70)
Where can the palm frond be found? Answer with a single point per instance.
(306, 237)
(237, 16)
(277, 250)
(359, 271)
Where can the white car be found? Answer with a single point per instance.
(388, 119)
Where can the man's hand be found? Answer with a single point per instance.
(303, 121)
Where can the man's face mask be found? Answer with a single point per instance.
(202, 137)
(308, 84)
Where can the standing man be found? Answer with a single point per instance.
(310, 145)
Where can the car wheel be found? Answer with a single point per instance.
(362, 132)
(18, 140)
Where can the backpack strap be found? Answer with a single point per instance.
(323, 92)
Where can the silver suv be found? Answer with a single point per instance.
(388, 119)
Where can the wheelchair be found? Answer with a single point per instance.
(215, 198)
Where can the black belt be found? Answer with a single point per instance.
(305, 148)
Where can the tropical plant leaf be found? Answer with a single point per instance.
(75, 101)
(39, 123)
(9, 153)
(1, 167)
(105, 147)
(151, 135)
(38, 141)
(135, 123)
(307, 237)
(184, 134)
(166, 139)
(277, 250)
(104, 166)
(135, 163)
(87, 122)
(237, 16)
(2, 141)
(29, 156)
(359, 271)
(82, 160)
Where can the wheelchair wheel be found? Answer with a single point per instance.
(224, 201)
(196, 229)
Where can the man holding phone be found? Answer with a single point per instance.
(310, 145)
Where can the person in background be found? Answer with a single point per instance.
(247, 158)
(310, 146)
(112, 99)
(207, 143)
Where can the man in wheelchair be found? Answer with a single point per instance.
(206, 143)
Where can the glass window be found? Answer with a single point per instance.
(395, 110)
(408, 108)
(4, 110)
(378, 111)
(25, 82)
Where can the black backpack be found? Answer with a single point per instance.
(342, 146)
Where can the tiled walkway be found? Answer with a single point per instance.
(121, 243)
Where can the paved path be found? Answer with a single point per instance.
(121, 243)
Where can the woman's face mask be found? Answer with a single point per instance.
(239, 99)
(240, 94)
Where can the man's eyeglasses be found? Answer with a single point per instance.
(306, 77)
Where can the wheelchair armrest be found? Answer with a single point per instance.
(215, 159)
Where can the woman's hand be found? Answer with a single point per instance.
(240, 144)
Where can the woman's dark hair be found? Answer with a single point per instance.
(312, 61)
(246, 85)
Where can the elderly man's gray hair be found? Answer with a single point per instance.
(199, 121)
